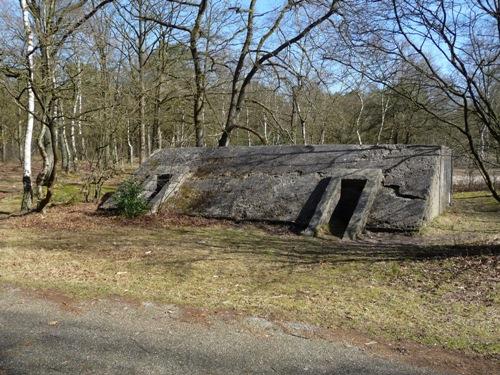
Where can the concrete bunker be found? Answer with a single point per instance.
(341, 190)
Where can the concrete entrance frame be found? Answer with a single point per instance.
(322, 217)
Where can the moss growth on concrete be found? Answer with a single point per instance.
(187, 200)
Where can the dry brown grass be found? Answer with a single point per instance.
(433, 294)
(436, 288)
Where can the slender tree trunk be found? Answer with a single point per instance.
(199, 76)
(249, 139)
(80, 132)
(181, 134)
(20, 139)
(292, 118)
(232, 119)
(198, 120)
(103, 151)
(43, 144)
(63, 147)
(4, 143)
(302, 124)
(51, 178)
(159, 138)
(67, 157)
(54, 118)
(47, 176)
(358, 119)
(482, 145)
(27, 199)
(114, 151)
(130, 146)
(322, 135)
(237, 96)
(72, 131)
(56, 131)
(148, 139)
(156, 133)
(83, 150)
(266, 137)
(49, 141)
(142, 88)
(385, 107)
(142, 104)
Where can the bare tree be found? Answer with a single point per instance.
(53, 24)
(260, 52)
(451, 49)
(195, 32)
(27, 188)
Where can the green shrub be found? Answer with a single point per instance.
(128, 199)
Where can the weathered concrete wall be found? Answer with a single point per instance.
(286, 183)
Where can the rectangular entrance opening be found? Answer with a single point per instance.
(161, 181)
(350, 192)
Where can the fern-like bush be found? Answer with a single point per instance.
(129, 201)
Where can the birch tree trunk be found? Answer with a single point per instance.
(74, 150)
(19, 138)
(130, 146)
(27, 199)
(79, 125)
(83, 150)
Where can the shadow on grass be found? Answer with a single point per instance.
(318, 252)
(184, 245)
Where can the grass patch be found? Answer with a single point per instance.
(472, 216)
(437, 288)
(67, 189)
(433, 294)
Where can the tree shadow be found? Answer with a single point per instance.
(289, 252)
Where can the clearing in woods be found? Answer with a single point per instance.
(437, 288)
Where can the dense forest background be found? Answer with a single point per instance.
(89, 85)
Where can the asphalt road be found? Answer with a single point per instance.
(40, 336)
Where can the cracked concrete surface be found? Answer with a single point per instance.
(282, 183)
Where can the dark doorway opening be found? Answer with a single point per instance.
(161, 181)
(350, 192)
